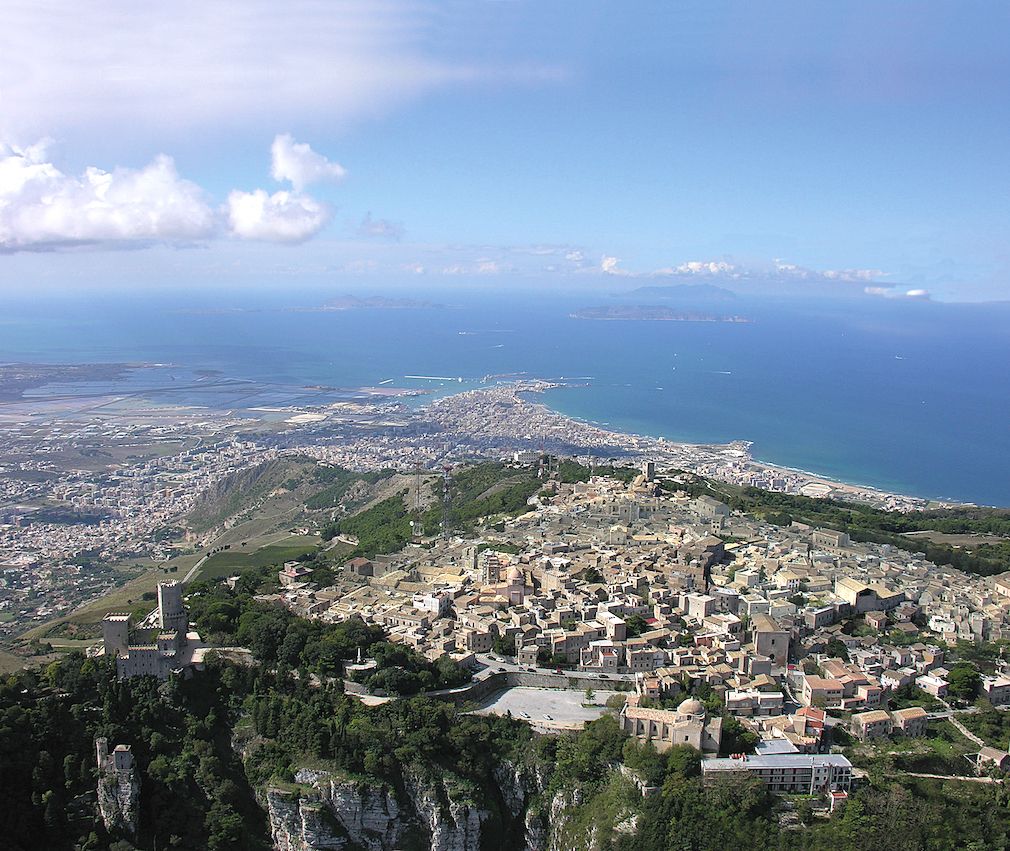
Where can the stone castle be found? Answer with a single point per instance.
(118, 788)
(165, 648)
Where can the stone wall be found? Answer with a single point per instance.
(477, 690)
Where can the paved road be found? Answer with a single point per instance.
(948, 777)
(493, 663)
(193, 570)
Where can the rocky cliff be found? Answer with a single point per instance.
(118, 801)
(521, 786)
(578, 820)
(323, 810)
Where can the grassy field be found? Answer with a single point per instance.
(83, 623)
(274, 517)
(9, 662)
(955, 540)
(70, 643)
(237, 559)
(126, 598)
(941, 751)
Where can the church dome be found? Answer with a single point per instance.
(516, 574)
(690, 708)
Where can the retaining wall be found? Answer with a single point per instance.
(476, 690)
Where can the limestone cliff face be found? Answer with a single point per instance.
(298, 823)
(591, 820)
(118, 801)
(452, 825)
(329, 812)
(368, 814)
(521, 788)
(326, 811)
(558, 815)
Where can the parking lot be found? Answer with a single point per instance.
(555, 709)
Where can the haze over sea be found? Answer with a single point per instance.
(907, 396)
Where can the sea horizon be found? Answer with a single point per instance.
(899, 397)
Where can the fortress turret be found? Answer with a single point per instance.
(171, 613)
(116, 634)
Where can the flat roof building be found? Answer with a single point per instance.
(797, 773)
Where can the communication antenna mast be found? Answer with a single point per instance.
(417, 487)
(446, 498)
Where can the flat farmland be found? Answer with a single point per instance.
(238, 558)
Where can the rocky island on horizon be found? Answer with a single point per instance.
(652, 313)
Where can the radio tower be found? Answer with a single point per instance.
(446, 499)
(416, 524)
(417, 487)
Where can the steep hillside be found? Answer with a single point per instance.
(244, 490)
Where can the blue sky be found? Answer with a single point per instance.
(796, 146)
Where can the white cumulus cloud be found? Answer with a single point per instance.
(42, 207)
(281, 217)
(612, 266)
(705, 267)
(298, 164)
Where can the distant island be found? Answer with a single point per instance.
(654, 313)
(343, 302)
(687, 292)
(351, 302)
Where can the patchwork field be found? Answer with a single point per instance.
(239, 558)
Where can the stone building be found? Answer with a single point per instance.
(152, 652)
(770, 640)
(871, 725)
(118, 788)
(689, 724)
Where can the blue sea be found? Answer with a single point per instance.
(912, 397)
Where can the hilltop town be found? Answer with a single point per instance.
(83, 487)
(613, 584)
(798, 644)
(517, 564)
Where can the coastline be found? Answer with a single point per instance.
(745, 468)
(535, 424)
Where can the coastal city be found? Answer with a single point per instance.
(504, 426)
(102, 485)
(582, 575)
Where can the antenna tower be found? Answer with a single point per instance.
(417, 487)
(446, 499)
